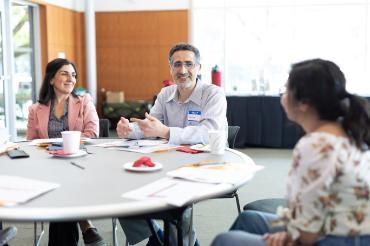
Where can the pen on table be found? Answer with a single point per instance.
(43, 145)
(77, 165)
(205, 163)
(164, 150)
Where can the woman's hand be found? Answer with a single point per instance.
(278, 239)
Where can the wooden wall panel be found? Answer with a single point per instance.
(79, 47)
(132, 47)
(43, 39)
(132, 50)
(173, 26)
(64, 31)
(107, 25)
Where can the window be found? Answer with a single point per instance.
(2, 85)
(255, 42)
(19, 58)
(22, 23)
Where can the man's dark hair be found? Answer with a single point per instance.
(184, 46)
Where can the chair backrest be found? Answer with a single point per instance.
(232, 133)
(103, 128)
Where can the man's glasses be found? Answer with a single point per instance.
(188, 65)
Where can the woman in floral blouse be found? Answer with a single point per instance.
(328, 186)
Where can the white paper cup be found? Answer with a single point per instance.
(71, 141)
(217, 142)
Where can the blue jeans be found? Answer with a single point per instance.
(249, 227)
(137, 230)
(344, 241)
(255, 222)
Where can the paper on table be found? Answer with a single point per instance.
(202, 147)
(150, 149)
(133, 143)
(7, 146)
(15, 190)
(231, 173)
(150, 142)
(42, 141)
(113, 144)
(173, 191)
(144, 146)
(46, 141)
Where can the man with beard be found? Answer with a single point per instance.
(183, 113)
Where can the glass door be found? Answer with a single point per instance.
(2, 75)
(18, 64)
(24, 61)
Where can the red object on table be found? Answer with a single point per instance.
(58, 152)
(143, 161)
(188, 150)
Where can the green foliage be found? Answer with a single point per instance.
(21, 29)
(114, 111)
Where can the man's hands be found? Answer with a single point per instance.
(152, 127)
(278, 239)
(123, 128)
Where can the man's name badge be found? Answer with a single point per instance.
(194, 115)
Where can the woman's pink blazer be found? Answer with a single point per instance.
(82, 117)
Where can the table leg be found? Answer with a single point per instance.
(114, 231)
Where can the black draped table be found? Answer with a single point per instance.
(262, 122)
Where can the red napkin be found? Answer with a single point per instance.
(58, 152)
(188, 150)
(144, 161)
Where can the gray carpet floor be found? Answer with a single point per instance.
(212, 216)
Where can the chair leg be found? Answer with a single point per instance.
(179, 232)
(154, 233)
(166, 226)
(37, 238)
(114, 232)
(237, 202)
(191, 226)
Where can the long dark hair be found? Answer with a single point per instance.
(47, 91)
(322, 84)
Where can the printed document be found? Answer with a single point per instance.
(140, 146)
(15, 190)
(230, 173)
(173, 191)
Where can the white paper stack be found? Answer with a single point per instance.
(173, 191)
(193, 181)
(15, 190)
(229, 173)
(143, 146)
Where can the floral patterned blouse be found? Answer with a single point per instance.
(328, 187)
